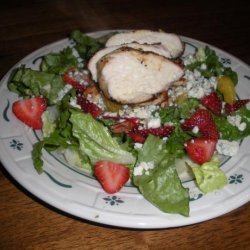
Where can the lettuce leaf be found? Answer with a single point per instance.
(209, 176)
(86, 46)
(59, 63)
(96, 141)
(27, 83)
(161, 186)
(214, 65)
(75, 158)
(230, 132)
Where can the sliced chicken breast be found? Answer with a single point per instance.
(169, 41)
(131, 76)
(158, 49)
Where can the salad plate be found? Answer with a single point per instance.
(77, 193)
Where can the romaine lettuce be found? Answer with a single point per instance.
(209, 176)
(27, 82)
(59, 63)
(161, 186)
(96, 141)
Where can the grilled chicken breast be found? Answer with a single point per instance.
(158, 49)
(131, 76)
(169, 41)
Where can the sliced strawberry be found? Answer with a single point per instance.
(89, 107)
(235, 106)
(199, 118)
(78, 79)
(112, 176)
(162, 131)
(136, 137)
(29, 111)
(139, 135)
(200, 150)
(204, 121)
(213, 103)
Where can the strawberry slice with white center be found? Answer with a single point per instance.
(213, 103)
(30, 111)
(89, 107)
(201, 150)
(111, 175)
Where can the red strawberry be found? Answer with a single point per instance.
(89, 107)
(204, 121)
(235, 106)
(29, 111)
(201, 150)
(161, 131)
(136, 137)
(112, 176)
(78, 79)
(213, 103)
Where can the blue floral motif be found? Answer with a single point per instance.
(225, 60)
(15, 144)
(195, 197)
(113, 200)
(236, 179)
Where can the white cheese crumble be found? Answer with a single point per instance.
(236, 121)
(63, 92)
(228, 148)
(73, 103)
(138, 145)
(195, 130)
(154, 123)
(140, 112)
(143, 168)
(198, 86)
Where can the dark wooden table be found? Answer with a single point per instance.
(26, 222)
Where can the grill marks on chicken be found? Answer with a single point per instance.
(136, 66)
(169, 41)
(157, 49)
(131, 76)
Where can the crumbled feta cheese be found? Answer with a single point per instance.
(228, 148)
(154, 122)
(138, 145)
(242, 126)
(236, 121)
(143, 167)
(198, 86)
(140, 112)
(188, 59)
(203, 66)
(63, 92)
(195, 130)
(73, 103)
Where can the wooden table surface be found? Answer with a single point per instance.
(26, 222)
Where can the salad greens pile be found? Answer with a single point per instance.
(84, 140)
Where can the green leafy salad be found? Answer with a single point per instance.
(194, 117)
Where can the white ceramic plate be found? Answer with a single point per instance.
(81, 195)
